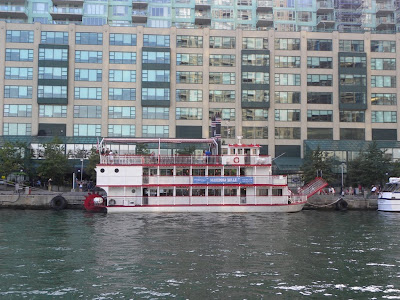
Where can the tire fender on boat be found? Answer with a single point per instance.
(58, 203)
(236, 160)
(341, 205)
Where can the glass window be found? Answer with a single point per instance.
(121, 130)
(122, 39)
(319, 133)
(319, 115)
(353, 98)
(290, 133)
(352, 116)
(155, 75)
(17, 110)
(189, 95)
(87, 130)
(383, 64)
(220, 42)
(54, 37)
(319, 98)
(189, 77)
(88, 38)
(122, 76)
(152, 40)
(161, 113)
(383, 81)
(121, 112)
(351, 46)
(384, 116)
(52, 111)
(189, 41)
(19, 54)
(155, 94)
(383, 46)
(17, 91)
(87, 111)
(121, 94)
(259, 60)
(287, 79)
(87, 93)
(255, 96)
(189, 59)
(319, 80)
(227, 114)
(222, 78)
(352, 133)
(94, 57)
(287, 115)
(319, 45)
(255, 77)
(18, 73)
(288, 97)
(287, 44)
(53, 54)
(287, 61)
(220, 60)
(88, 75)
(52, 91)
(353, 79)
(255, 43)
(383, 99)
(314, 62)
(254, 114)
(155, 131)
(225, 96)
(189, 113)
(156, 57)
(19, 36)
(53, 73)
(17, 129)
(353, 62)
(255, 132)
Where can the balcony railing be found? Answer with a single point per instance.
(12, 8)
(325, 4)
(264, 3)
(67, 10)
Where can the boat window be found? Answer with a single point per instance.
(391, 187)
(166, 192)
(182, 172)
(214, 172)
(239, 151)
(102, 170)
(166, 172)
(225, 151)
(116, 170)
(198, 191)
(153, 172)
(198, 172)
(230, 192)
(230, 172)
(214, 192)
(153, 192)
(262, 192)
(276, 192)
(182, 191)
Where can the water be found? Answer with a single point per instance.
(313, 254)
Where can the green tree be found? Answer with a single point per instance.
(317, 162)
(369, 168)
(11, 158)
(55, 164)
(94, 159)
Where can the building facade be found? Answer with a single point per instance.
(287, 91)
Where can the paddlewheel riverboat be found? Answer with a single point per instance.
(238, 179)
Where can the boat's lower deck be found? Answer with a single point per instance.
(392, 205)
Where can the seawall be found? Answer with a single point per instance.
(354, 202)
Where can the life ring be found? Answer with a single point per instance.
(236, 160)
(58, 203)
(111, 202)
(341, 205)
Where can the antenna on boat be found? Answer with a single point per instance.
(239, 137)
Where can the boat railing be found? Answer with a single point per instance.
(184, 160)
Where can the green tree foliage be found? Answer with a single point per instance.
(316, 162)
(369, 168)
(55, 164)
(12, 158)
(94, 159)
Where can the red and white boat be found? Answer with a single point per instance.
(238, 179)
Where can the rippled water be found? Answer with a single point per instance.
(314, 254)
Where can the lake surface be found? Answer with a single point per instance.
(312, 254)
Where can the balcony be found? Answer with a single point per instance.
(202, 4)
(202, 18)
(326, 21)
(139, 4)
(264, 6)
(13, 1)
(324, 7)
(70, 2)
(385, 23)
(70, 13)
(265, 20)
(13, 11)
(139, 16)
(384, 9)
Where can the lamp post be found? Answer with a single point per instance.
(342, 165)
(81, 168)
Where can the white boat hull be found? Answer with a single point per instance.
(286, 208)
(389, 205)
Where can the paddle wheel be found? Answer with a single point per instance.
(94, 203)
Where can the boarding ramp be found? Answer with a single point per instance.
(313, 187)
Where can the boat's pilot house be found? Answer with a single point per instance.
(240, 154)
